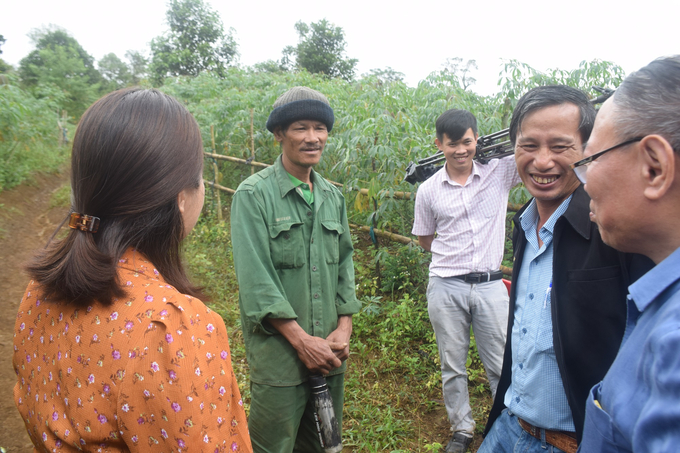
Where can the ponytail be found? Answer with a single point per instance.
(134, 151)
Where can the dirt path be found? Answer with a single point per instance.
(26, 223)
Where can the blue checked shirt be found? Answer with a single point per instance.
(536, 392)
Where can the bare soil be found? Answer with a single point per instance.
(26, 223)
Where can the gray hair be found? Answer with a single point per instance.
(648, 102)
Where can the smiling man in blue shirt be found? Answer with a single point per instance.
(568, 295)
(632, 172)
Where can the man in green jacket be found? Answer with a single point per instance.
(293, 260)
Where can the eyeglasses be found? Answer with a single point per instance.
(580, 167)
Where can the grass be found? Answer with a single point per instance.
(393, 400)
(61, 197)
(27, 160)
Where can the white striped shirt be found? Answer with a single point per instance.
(469, 220)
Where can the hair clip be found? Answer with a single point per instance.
(84, 222)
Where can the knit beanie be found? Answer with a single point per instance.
(300, 103)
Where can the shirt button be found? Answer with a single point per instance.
(312, 240)
(314, 268)
(524, 330)
(521, 366)
(317, 323)
(517, 399)
(531, 296)
(287, 236)
(316, 296)
(309, 213)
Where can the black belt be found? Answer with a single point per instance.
(480, 277)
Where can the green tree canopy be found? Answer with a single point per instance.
(114, 71)
(456, 67)
(4, 67)
(321, 50)
(385, 75)
(517, 78)
(196, 42)
(271, 66)
(138, 66)
(60, 61)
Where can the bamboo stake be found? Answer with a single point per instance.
(217, 174)
(386, 234)
(219, 187)
(252, 141)
(375, 210)
(236, 159)
(397, 194)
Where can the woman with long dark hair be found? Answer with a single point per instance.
(113, 349)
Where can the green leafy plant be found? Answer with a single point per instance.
(320, 50)
(28, 134)
(60, 64)
(196, 42)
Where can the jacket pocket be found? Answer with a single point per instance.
(589, 275)
(332, 230)
(286, 245)
(600, 292)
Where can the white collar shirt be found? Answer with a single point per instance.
(469, 219)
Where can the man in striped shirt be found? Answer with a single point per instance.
(464, 203)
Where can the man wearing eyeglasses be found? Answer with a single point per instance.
(635, 188)
(568, 296)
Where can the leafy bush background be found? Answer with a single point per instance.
(28, 133)
(380, 125)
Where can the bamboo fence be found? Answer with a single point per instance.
(400, 195)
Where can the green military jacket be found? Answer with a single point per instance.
(293, 261)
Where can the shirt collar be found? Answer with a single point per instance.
(296, 182)
(447, 179)
(302, 189)
(529, 217)
(648, 287)
(285, 184)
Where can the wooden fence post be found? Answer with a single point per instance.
(375, 224)
(252, 140)
(217, 174)
(61, 123)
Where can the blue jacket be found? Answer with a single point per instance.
(638, 405)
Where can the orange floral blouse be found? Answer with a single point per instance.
(149, 373)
